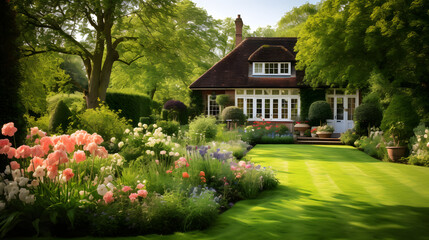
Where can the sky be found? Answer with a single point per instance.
(255, 13)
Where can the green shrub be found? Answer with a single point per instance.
(373, 146)
(202, 129)
(223, 100)
(233, 113)
(75, 101)
(349, 137)
(132, 105)
(309, 96)
(176, 110)
(399, 119)
(419, 146)
(42, 122)
(325, 128)
(104, 122)
(366, 116)
(60, 118)
(196, 106)
(147, 120)
(169, 127)
(318, 113)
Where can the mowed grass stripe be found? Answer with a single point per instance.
(327, 192)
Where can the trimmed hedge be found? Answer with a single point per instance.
(60, 118)
(367, 115)
(318, 113)
(132, 106)
(175, 110)
(234, 114)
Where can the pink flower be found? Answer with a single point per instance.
(185, 175)
(96, 138)
(79, 156)
(46, 142)
(248, 165)
(168, 171)
(34, 163)
(238, 176)
(142, 193)
(23, 151)
(52, 171)
(11, 153)
(91, 147)
(5, 142)
(133, 196)
(4, 149)
(101, 152)
(427, 145)
(8, 129)
(108, 197)
(163, 152)
(126, 189)
(242, 164)
(57, 157)
(37, 151)
(140, 186)
(68, 173)
(233, 168)
(14, 165)
(34, 131)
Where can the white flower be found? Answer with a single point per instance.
(81, 192)
(139, 124)
(426, 130)
(7, 170)
(119, 162)
(30, 199)
(102, 169)
(171, 153)
(113, 139)
(176, 154)
(155, 126)
(121, 144)
(40, 172)
(163, 152)
(23, 193)
(127, 131)
(145, 126)
(2, 205)
(90, 197)
(152, 153)
(101, 189)
(426, 136)
(35, 183)
(16, 173)
(23, 181)
(148, 152)
(176, 145)
(110, 186)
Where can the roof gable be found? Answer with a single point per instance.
(232, 71)
(271, 53)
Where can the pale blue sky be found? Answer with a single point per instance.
(255, 13)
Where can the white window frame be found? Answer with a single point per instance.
(253, 97)
(271, 74)
(208, 106)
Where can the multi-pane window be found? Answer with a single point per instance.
(258, 108)
(258, 68)
(249, 108)
(267, 108)
(351, 107)
(213, 107)
(272, 68)
(275, 108)
(240, 102)
(284, 109)
(294, 109)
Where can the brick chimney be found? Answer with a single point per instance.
(238, 30)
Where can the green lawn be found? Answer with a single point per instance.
(327, 192)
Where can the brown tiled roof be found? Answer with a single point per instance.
(276, 53)
(233, 70)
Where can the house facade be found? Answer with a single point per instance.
(260, 77)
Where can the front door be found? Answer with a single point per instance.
(342, 110)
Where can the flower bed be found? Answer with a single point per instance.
(267, 132)
(69, 185)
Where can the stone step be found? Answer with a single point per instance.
(317, 139)
(315, 142)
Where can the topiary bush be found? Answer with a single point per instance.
(132, 105)
(318, 113)
(309, 96)
(60, 118)
(223, 100)
(399, 119)
(177, 111)
(366, 116)
(233, 113)
(104, 122)
(202, 129)
(75, 101)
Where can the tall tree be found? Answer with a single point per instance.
(92, 30)
(356, 43)
(293, 21)
(178, 46)
(11, 109)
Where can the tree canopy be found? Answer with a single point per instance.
(379, 44)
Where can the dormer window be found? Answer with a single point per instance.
(271, 68)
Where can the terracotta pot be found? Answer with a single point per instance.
(324, 134)
(396, 153)
(301, 127)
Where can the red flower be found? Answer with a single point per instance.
(202, 174)
(185, 175)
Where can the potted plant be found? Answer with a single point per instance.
(313, 132)
(325, 131)
(301, 127)
(398, 122)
